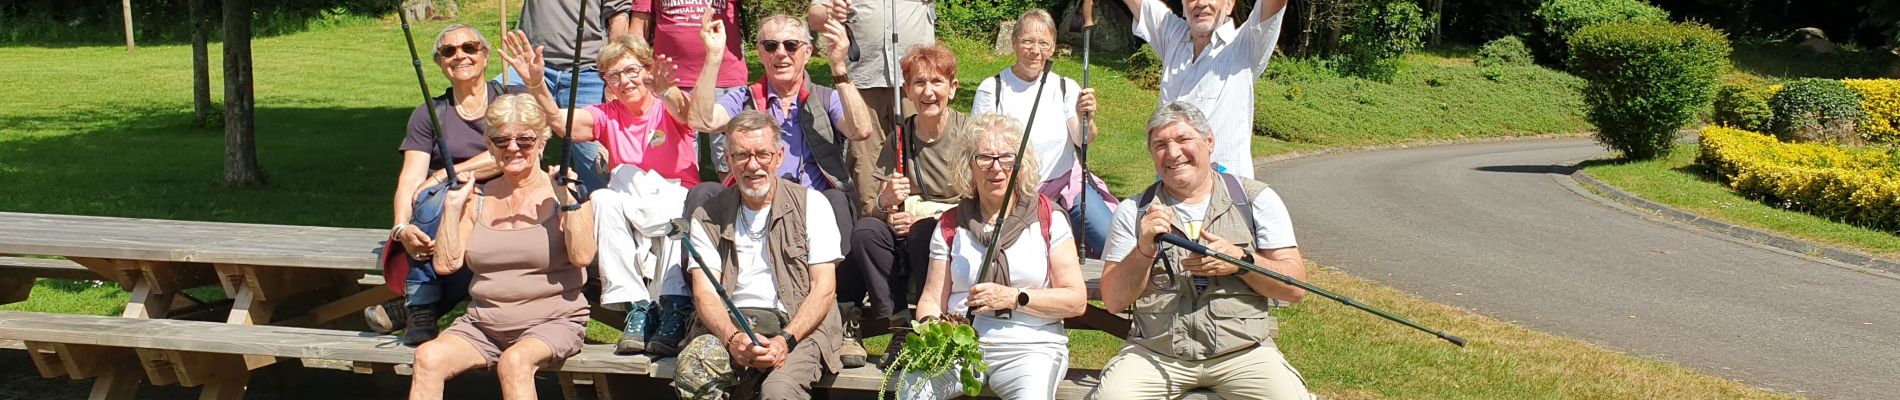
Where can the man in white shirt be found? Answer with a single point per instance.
(773, 246)
(1209, 63)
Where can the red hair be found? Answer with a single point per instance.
(929, 58)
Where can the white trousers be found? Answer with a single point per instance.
(631, 218)
(1027, 371)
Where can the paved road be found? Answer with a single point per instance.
(1493, 228)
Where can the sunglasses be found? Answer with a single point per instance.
(501, 142)
(771, 46)
(470, 48)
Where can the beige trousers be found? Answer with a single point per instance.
(1257, 373)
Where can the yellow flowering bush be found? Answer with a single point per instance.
(1860, 186)
(1880, 102)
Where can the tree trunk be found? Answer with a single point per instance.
(240, 138)
(1306, 27)
(200, 65)
(125, 8)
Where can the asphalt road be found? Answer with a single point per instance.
(1494, 228)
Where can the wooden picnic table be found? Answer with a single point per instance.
(274, 274)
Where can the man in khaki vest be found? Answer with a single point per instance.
(1198, 322)
(774, 246)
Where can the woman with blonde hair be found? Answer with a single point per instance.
(652, 159)
(527, 256)
(1036, 276)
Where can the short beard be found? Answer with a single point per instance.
(754, 194)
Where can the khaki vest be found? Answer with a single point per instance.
(1227, 317)
(786, 248)
(826, 143)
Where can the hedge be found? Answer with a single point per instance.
(1859, 186)
(1880, 106)
(1647, 80)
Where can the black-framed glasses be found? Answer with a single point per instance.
(771, 45)
(743, 158)
(994, 160)
(469, 47)
(501, 142)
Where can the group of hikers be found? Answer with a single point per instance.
(810, 208)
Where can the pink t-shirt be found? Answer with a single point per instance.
(653, 140)
(676, 26)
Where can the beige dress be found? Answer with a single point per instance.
(524, 287)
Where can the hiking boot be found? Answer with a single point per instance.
(386, 318)
(676, 316)
(634, 335)
(422, 327)
(853, 354)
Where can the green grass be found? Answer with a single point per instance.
(1677, 181)
(94, 130)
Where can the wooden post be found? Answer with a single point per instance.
(125, 7)
(200, 65)
(240, 136)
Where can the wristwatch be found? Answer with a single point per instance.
(791, 341)
(1243, 270)
(1022, 298)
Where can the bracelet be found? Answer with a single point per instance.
(1157, 253)
(397, 229)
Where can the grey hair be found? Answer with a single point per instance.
(444, 35)
(996, 130)
(1036, 15)
(1179, 112)
(797, 24)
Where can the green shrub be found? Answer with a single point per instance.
(1744, 105)
(1144, 68)
(1880, 102)
(1646, 80)
(1558, 19)
(1814, 109)
(1505, 51)
(1374, 43)
(978, 19)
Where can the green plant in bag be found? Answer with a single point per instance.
(935, 347)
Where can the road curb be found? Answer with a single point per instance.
(1344, 150)
(1849, 257)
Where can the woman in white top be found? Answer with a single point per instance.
(1056, 127)
(1037, 277)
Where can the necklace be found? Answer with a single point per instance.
(745, 226)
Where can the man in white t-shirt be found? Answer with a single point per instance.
(1204, 322)
(1209, 63)
(773, 246)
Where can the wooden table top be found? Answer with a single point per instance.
(190, 241)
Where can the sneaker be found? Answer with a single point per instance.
(422, 326)
(634, 334)
(386, 318)
(853, 354)
(675, 318)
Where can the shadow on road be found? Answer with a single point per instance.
(1528, 169)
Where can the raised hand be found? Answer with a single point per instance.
(841, 10)
(712, 30)
(525, 58)
(840, 45)
(660, 75)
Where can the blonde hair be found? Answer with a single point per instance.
(623, 46)
(1036, 15)
(515, 110)
(999, 130)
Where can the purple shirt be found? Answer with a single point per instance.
(799, 164)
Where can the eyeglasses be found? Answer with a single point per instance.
(525, 142)
(628, 73)
(1038, 44)
(771, 46)
(470, 48)
(993, 161)
(744, 158)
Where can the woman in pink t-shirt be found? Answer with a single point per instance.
(651, 153)
(642, 126)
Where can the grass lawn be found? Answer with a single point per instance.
(1677, 181)
(94, 130)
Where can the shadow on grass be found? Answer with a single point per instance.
(1783, 61)
(325, 166)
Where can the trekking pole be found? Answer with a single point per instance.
(503, 23)
(1009, 189)
(1082, 151)
(1197, 248)
(573, 94)
(686, 240)
(442, 149)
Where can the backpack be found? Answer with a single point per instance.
(949, 229)
(1234, 192)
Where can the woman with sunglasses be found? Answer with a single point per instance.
(462, 53)
(1037, 275)
(1057, 125)
(652, 159)
(527, 255)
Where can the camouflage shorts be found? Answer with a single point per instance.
(705, 367)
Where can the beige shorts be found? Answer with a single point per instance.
(563, 337)
(1257, 373)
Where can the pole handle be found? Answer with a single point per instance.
(1088, 14)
